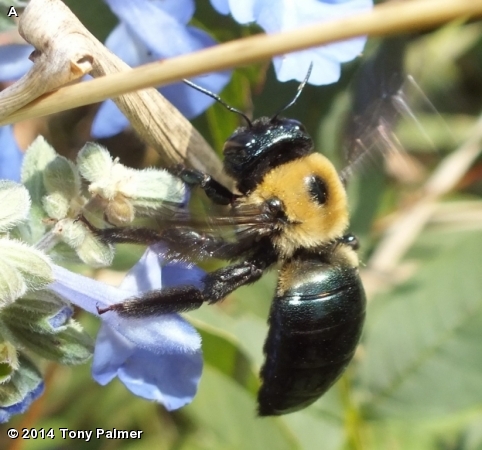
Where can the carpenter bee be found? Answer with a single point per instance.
(290, 211)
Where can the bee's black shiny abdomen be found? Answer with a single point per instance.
(314, 329)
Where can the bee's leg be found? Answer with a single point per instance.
(160, 301)
(221, 282)
(215, 286)
(177, 242)
(123, 235)
(213, 189)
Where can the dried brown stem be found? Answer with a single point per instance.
(385, 19)
(66, 50)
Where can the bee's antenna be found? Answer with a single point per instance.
(298, 93)
(218, 99)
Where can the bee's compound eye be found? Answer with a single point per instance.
(317, 189)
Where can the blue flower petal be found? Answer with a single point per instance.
(11, 156)
(244, 12)
(142, 11)
(177, 274)
(159, 334)
(287, 15)
(4, 415)
(18, 408)
(190, 102)
(170, 379)
(14, 62)
(282, 15)
(127, 46)
(221, 6)
(172, 41)
(61, 318)
(146, 274)
(111, 350)
(108, 121)
(141, 45)
(156, 357)
(85, 292)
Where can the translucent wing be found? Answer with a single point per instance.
(222, 232)
(382, 97)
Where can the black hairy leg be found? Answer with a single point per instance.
(214, 287)
(213, 189)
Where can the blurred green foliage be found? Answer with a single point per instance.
(416, 382)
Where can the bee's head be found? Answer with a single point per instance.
(251, 151)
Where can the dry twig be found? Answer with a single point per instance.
(65, 51)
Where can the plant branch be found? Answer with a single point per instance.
(65, 51)
(386, 19)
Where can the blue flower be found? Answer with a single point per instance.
(151, 30)
(158, 357)
(282, 15)
(11, 156)
(14, 62)
(20, 407)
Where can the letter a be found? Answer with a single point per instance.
(12, 12)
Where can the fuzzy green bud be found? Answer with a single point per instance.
(125, 192)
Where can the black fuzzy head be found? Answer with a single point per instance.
(252, 151)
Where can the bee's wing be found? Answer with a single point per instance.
(383, 94)
(221, 232)
(373, 113)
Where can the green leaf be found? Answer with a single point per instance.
(226, 414)
(12, 283)
(95, 253)
(38, 155)
(94, 162)
(89, 248)
(15, 203)
(422, 341)
(473, 435)
(56, 205)
(154, 186)
(8, 361)
(70, 346)
(23, 381)
(30, 262)
(456, 39)
(98, 17)
(35, 310)
(311, 429)
(29, 324)
(61, 176)
(221, 348)
(72, 232)
(407, 435)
